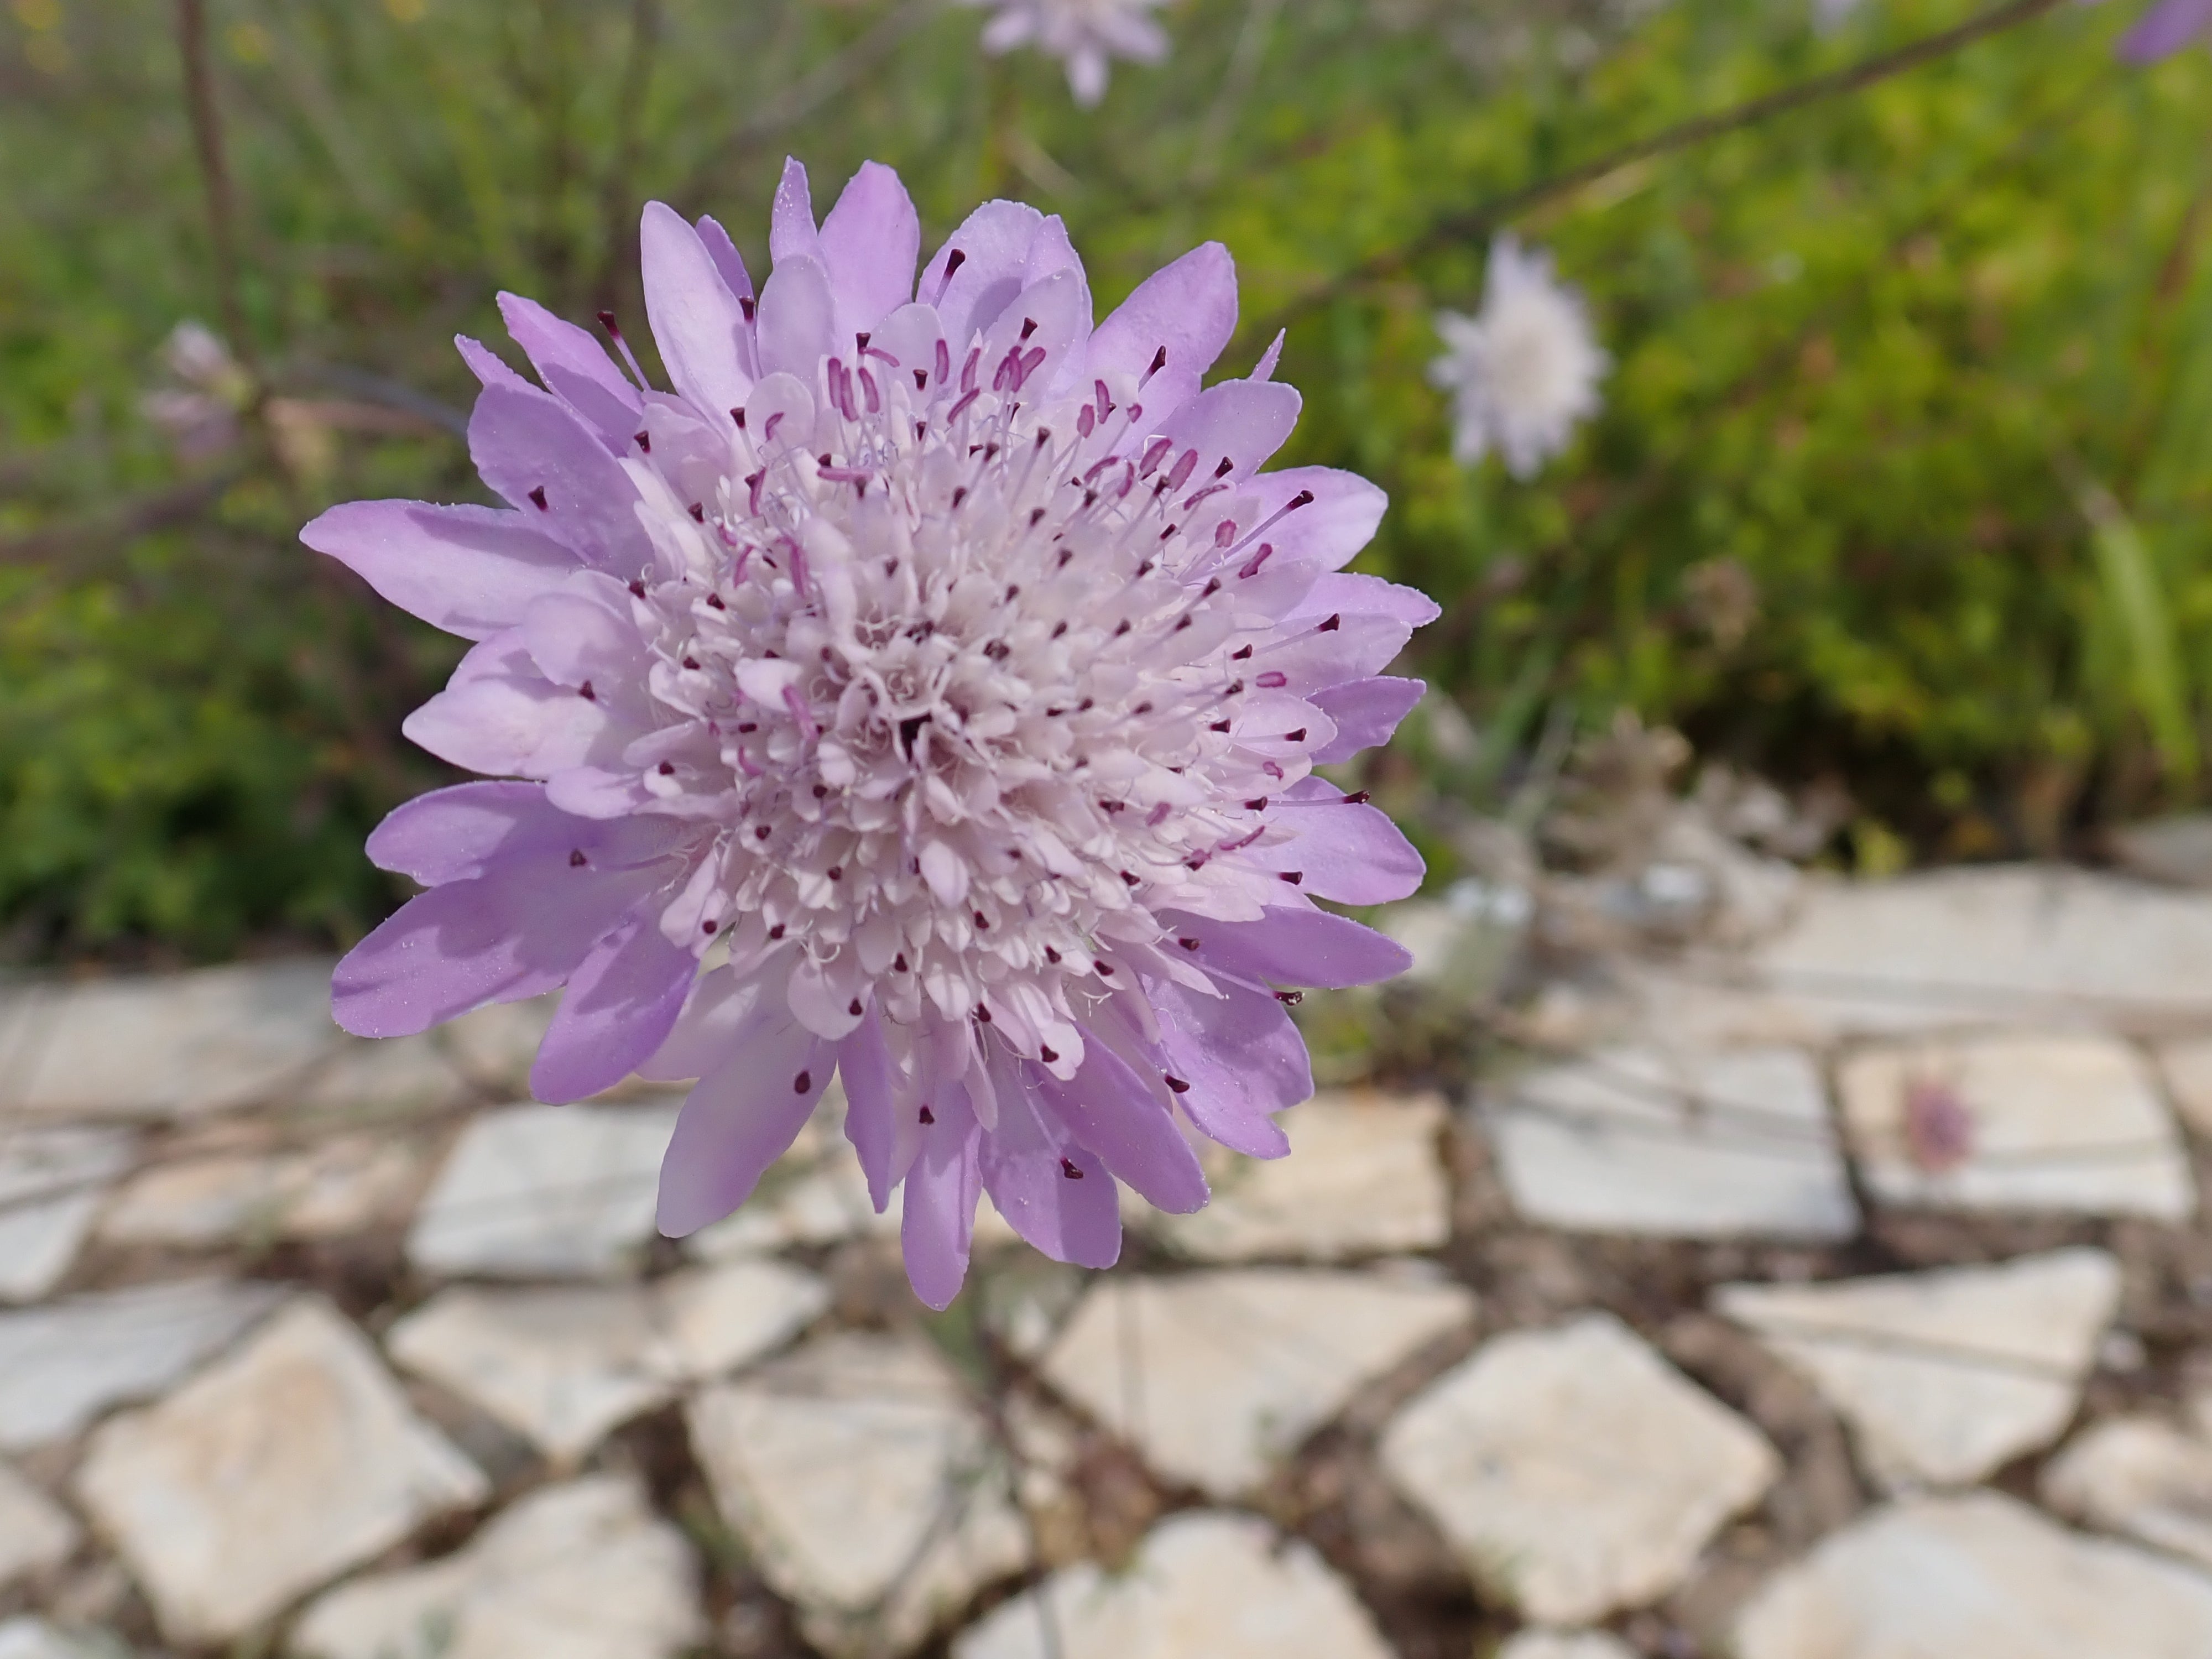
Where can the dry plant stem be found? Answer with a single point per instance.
(1491, 214)
(215, 172)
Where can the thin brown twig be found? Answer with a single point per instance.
(215, 171)
(1496, 211)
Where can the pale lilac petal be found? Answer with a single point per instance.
(1053, 317)
(798, 319)
(1355, 595)
(620, 1003)
(500, 716)
(1014, 26)
(1329, 530)
(1244, 1059)
(484, 363)
(2165, 30)
(938, 1224)
(1086, 76)
(1053, 1191)
(1052, 251)
(993, 246)
(869, 244)
(728, 260)
(696, 321)
(722, 1017)
(1114, 1113)
(737, 1120)
(525, 441)
(1343, 851)
(1294, 946)
(1189, 307)
(1357, 647)
(791, 231)
(584, 630)
(519, 929)
(1271, 358)
(1240, 422)
(469, 570)
(453, 834)
(872, 1105)
(575, 368)
(1366, 712)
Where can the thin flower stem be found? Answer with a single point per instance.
(215, 172)
(619, 206)
(1491, 214)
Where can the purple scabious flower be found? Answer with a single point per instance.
(927, 691)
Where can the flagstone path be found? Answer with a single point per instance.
(1840, 1295)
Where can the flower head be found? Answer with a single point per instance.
(925, 690)
(1523, 369)
(1082, 34)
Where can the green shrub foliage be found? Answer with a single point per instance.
(1901, 478)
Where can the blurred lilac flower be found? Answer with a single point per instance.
(2165, 28)
(1523, 369)
(1082, 34)
(925, 691)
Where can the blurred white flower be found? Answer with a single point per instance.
(200, 417)
(1082, 34)
(1523, 370)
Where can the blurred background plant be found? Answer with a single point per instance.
(1899, 489)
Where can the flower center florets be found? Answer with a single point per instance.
(961, 682)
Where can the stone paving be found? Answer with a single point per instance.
(1830, 1285)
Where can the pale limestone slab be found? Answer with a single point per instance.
(51, 1183)
(545, 1191)
(385, 1079)
(32, 1637)
(2141, 1476)
(2059, 1121)
(1565, 1644)
(1976, 1576)
(64, 1363)
(714, 1320)
(1943, 1376)
(168, 1047)
(562, 1365)
(1575, 1469)
(2186, 1067)
(493, 1046)
(865, 1485)
(1214, 1377)
(1207, 1584)
(349, 1184)
(1363, 1178)
(583, 1571)
(2020, 945)
(1714, 1144)
(36, 1533)
(268, 1474)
